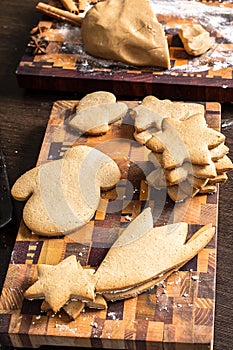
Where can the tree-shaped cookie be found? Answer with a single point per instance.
(150, 114)
(63, 195)
(169, 109)
(188, 156)
(185, 140)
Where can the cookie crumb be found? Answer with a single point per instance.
(128, 218)
(195, 278)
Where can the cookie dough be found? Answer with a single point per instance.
(126, 31)
(195, 38)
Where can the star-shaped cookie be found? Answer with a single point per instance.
(76, 283)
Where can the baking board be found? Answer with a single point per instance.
(63, 68)
(179, 313)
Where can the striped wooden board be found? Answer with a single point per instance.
(179, 312)
(66, 67)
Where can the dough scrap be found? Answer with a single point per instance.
(195, 38)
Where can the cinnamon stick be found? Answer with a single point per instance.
(82, 4)
(70, 6)
(59, 14)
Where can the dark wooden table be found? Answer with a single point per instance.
(23, 118)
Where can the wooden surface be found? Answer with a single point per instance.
(179, 311)
(23, 118)
(65, 67)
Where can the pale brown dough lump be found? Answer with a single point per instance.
(126, 31)
(195, 38)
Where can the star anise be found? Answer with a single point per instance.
(39, 29)
(39, 43)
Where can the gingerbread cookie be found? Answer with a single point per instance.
(142, 253)
(170, 109)
(96, 111)
(143, 287)
(168, 129)
(126, 270)
(63, 195)
(74, 308)
(58, 284)
(94, 99)
(174, 141)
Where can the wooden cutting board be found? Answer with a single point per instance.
(64, 67)
(178, 313)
